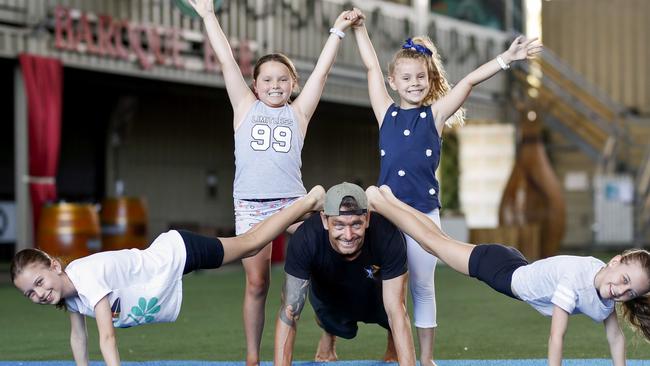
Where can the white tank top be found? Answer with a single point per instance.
(268, 144)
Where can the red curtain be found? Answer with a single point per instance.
(43, 79)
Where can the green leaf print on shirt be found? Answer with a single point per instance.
(144, 312)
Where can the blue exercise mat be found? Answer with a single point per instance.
(529, 362)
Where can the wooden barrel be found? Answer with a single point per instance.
(124, 223)
(69, 230)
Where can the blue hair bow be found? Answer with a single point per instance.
(409, 45)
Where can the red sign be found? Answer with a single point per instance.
(149, 45)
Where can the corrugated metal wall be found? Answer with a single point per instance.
(606, 41)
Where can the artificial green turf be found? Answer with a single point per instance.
(474, 323)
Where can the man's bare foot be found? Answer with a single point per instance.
(427, 363)
(326, 357)
(252, 362)
(391, 353)
(326, 351)
(390, 356)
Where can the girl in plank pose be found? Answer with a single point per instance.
(557, 286)
(132, 287)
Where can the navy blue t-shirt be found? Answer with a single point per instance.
(409, 156)
(353, 286)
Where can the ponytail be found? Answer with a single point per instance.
(637, 310)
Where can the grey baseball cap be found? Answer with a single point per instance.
(336, 194)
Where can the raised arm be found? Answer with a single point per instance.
(380, 100)
(393, 292)
(559, 322)
(241, 97)
(445, 107)
(616, 339)
(305, 104)
(78, 339)
(294, 296)
(107, 339)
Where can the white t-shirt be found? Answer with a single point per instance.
(143, 286)
(564, 280)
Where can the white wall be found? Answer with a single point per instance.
(486, 157)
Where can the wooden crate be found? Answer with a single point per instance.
(525, 238)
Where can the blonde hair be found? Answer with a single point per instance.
(637, 310)
(438, 84)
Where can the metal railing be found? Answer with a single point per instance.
(297, 28)
(594, 123)
(585, 115)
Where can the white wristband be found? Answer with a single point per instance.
(502, 63)
(338, 33)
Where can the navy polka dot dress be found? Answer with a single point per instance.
(409, 149)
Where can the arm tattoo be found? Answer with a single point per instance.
(294, 295)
